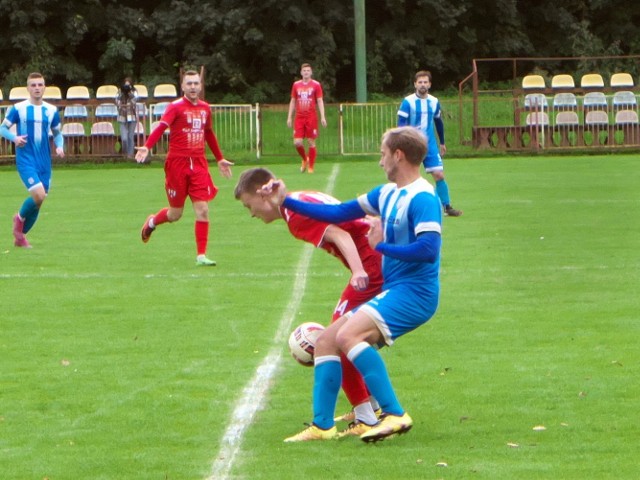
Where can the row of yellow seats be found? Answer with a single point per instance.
(589, 80)
(81, 92)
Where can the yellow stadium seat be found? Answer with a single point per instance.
(52, 93)
(533, 81)
(562, 80)
(592, 80)
(621, 80)
(165, 90)
(78, 92)
(107, 91)
(18, 93)
(143, 92)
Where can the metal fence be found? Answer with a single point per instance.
(91, 131)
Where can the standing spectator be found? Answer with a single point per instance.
(34, 119)
(186, 168)
(127, 116)
(405, 218)
(305, 94)
(422, 110)
(348, 242)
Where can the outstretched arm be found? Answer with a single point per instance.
(342, 212)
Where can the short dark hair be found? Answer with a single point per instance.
(409, 140)
(251, 180)
(304, 65)
(423, 73)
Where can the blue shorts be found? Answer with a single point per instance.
(433, 162)
(400, 309)
(32, 176)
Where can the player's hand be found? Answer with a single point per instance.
(20, 140)
(274, 190)
(359, 280)
(225, 168)
(289, 123)
(443, 149)
(60, 152)
(376, 235)
(324, 122)
(141, 154)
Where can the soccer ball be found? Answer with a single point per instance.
(302, 342)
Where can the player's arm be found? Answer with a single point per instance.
(292, 107)
(152, 139)
(439, 124)
(223, 164)
(344, 242)
(425, 249)
(58, 139)
(403, 114)
(6, 124)
(323, 120)
(342, 212)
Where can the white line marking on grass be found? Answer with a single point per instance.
(255, 392)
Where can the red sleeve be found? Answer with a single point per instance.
(318, 90)
(212, 141)
(305, 228)
(155, 135)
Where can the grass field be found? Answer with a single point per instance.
(124, 361)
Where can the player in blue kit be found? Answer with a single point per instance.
(422, 110)
(405, 219)
(34, 118)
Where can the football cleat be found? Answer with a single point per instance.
(303, 165)
(313, 432)
(146, 231)
(22, 242)
(449, 211)
(203, 261)
(355, 429)
(390, 425)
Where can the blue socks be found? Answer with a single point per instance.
(370, 364)
(29, 211)
(326, 386)
(442, 189)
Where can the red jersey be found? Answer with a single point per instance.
(190, 125)
(312, 231)
(306, 96)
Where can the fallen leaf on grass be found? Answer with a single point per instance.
(441, 464)
(513, 445)
(539, 428)
(65, 363)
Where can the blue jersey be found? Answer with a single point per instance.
(420, 113)
(405, 213)
(34, 121)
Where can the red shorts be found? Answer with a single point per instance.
(351, 298)
(188, 177)
(305, 126)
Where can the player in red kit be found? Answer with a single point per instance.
(305, 94)
(186, 168)
(349, 243)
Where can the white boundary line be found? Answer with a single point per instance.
(255, 391)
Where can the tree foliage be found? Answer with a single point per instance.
(252, 50)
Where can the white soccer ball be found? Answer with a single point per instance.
(302, 342)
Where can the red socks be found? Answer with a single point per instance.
(312, 157)
(202, 236)
(301, 152)
(160, 217)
